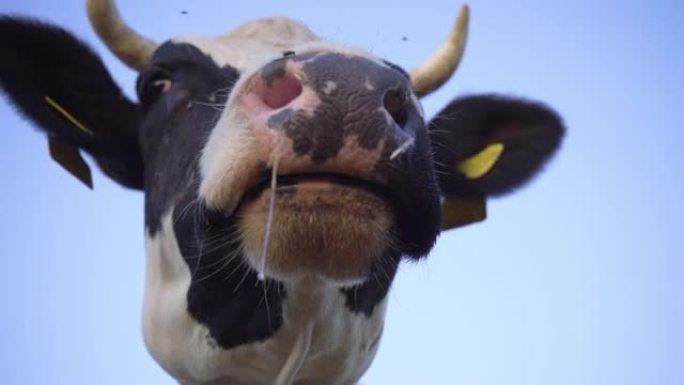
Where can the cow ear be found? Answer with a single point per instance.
(59, 84)
(489, 145)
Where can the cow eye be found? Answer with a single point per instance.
(153, 84)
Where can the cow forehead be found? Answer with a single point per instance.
(256, 41)
(276, 31)
(259, 41)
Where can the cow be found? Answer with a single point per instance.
(285, 178)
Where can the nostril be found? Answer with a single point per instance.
(279, 92)
(395, 103)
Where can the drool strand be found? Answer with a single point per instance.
(269, 219)
(402, 149)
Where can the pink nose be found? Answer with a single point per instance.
(279, 92)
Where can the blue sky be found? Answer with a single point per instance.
(576, 279)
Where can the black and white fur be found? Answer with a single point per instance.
(208, 318)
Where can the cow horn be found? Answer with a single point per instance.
(439, 68)
(130, 47)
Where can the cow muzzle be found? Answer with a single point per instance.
(324, 139)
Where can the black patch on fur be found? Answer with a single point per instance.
(365, 297)
(419, 213)
(224, 294)
(530, 132)
(281, 118)
(39, 60)
(273, 70)
(178, 123)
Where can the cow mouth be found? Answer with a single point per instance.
(286, 182)
(331, 225)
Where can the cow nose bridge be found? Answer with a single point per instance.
(322, 100)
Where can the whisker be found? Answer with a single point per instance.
(184, 211)
(244, 277)
(216, 106)
(241, 264)
(226, 262)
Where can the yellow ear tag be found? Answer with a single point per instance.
(68, 116)
(480, 164)
(458, 212)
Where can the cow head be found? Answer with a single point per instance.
(285, 178)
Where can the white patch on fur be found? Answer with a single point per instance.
(369, 86)
(342, 345)
(329, 87)
(254, 43)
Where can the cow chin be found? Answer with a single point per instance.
(323, 229)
